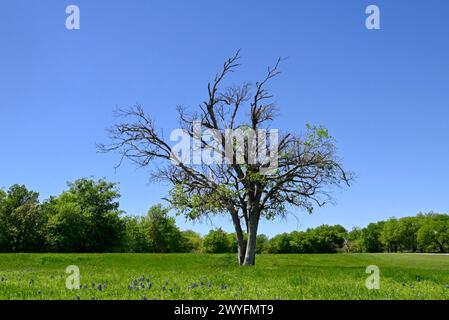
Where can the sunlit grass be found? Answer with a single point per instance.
(201, 276)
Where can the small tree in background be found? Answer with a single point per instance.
(163, 233)
(370, 237)
(326, 238)
(192, 241)
(22, 224)
(262, 243)
(216, 241)
(408, 232)
(85, 218)
(433, 235)
(280, 243)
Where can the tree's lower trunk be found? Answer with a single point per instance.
(246, 251)
(250, 255)
(241, 250)
(239, 235)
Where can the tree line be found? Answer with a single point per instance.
(87, 218)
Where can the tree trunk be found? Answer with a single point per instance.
(250, 256)
(241, 250)
(239, 235)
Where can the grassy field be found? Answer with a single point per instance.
(200, 276)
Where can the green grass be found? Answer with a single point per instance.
(337, 276)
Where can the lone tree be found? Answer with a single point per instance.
(305, 170)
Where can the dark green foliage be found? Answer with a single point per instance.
(323, 239)
(370, 238)
(87, 218)
(326, 238)
(22, 223)
(163, 233)
(262, 243)
(156, 232)
(192, 241)
(433, 235)
(280, 244)
(216, 241)
(407, 233)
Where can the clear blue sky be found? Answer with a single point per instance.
(383, 94)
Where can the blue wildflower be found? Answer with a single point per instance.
(194, 285)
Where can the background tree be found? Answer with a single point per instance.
(300, 242)
(157, 232)
(216, 241)
(164, 234)
(3, 237)
(22, 224)
(262, 243)
(433, 235)
(68, 225)
(407, 233)
(64, 224)
(353, 241)
(307, 164)
(136, 236)
(389, 235)
(370, 237)
(192, 241)
(86, 217)
(326, 238)
(280, 244)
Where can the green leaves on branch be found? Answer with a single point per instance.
(194, 205)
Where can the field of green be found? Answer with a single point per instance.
(201, 276)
